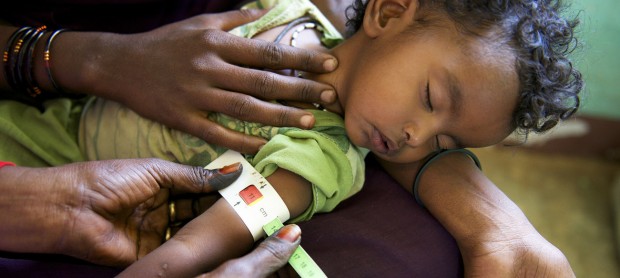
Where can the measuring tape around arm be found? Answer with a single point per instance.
(261, 208)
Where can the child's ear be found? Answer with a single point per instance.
(380, 13)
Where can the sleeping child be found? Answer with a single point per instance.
(414, 78)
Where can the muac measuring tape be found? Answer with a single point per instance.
(261, 208)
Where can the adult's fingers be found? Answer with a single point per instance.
(273, 86)
(272, 254)
(218, 135)
(269, 55)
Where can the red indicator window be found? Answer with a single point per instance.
(250, 195)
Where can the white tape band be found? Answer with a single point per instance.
(252, 197)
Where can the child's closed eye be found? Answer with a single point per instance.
(429, 105)
(427, 97)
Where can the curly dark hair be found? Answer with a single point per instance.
(541, 40)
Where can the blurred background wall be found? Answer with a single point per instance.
(568, 181)
(600, 60)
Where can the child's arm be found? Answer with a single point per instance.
(493, 234)
(217, 235)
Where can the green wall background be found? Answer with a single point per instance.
(599, 59)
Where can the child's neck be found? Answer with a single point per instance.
(346, 53)
(309, 39)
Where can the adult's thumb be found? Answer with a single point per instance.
(194, 179)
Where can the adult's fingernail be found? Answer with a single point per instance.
(230, 168)
(307, 121)
(328, 96)
(330, 64)
(226, 175)
(290, 233)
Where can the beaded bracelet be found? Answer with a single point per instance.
(47, 59)
(19, 60)
(12, 52)
(436, 156)
(31, 85)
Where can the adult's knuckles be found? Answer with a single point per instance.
(212, 133)
(214, 38)
(241, 106)
(284, 118)
(275, 250)
(306, 92)
(272, 54)
(308, 61)
(265, 85)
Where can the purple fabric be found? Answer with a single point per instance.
(379, 232)
(34, 265)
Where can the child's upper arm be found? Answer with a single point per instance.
(295, 191)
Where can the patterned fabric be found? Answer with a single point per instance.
(324, 156)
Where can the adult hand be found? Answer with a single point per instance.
(106, 212)
(179, 73)
(271, 255)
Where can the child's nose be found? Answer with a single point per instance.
(414, 137)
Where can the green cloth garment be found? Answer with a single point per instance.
(29, 137)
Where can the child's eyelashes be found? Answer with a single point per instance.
(429, 104)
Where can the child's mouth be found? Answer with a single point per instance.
(379, 142)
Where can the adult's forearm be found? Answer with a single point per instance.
(30, 222)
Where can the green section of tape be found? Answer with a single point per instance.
(300, 261)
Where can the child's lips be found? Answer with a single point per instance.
(380, 143)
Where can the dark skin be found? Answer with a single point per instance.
(460, 211)
(494, 236)
(118, 208)
(213, 68)
(484, 243)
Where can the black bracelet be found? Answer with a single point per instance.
(434, 157)
(8, 49)
(47, 56)
(19, 59)
(14, 50)
(30, 83)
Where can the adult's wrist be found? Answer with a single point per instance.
(77, 62)
(34, 218)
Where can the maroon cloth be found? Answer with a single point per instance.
(122, 16)
(381, 231)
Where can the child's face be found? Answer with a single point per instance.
(405, 98)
